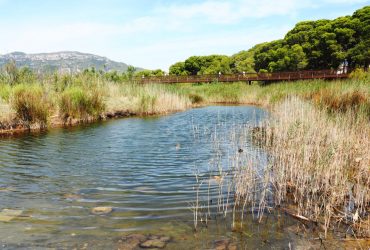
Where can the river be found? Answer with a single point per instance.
(143, 168)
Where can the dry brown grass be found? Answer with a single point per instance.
(7, 114)
(321, 164)
(144, 99)
(340, 101)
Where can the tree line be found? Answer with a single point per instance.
(310, 45)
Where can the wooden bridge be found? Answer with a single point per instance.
(246, 77)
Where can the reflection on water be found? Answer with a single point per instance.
(141, 167)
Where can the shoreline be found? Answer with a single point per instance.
(21, 129)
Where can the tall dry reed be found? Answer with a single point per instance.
(321, 164)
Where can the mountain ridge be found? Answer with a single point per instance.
(62, 61)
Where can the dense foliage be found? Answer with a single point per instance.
(320, 44)
(240, 62)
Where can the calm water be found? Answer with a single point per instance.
(142, 167)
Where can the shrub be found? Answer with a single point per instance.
(359, 74)
(195, 98)
(341, 102)
(5, 92)
(76, 102)
(30, 103)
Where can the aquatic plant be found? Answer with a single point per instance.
(321, 165)
(317, 139)
(317, 170)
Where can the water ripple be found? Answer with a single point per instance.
(143, 168)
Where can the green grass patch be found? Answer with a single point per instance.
(77, 102)
(5, 92)
(30, 103)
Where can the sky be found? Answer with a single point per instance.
(155, 34)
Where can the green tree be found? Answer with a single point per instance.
(147, 73)
(319, 44)
(243, 61)
(11, 72)
(130, 72)
(359, 55)
(178, 69)
(200, 65)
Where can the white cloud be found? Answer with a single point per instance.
(164, 35)
(227, 12)
(350, 2)
(217, 11)
(163, 53)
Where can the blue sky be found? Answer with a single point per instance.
(155, 33)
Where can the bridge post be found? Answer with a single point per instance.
(249, 82)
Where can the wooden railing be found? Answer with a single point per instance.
(247, 77)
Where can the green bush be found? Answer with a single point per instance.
(5, 92)
(80, 103)
(195, 98)
(30, 103)
(359, 74)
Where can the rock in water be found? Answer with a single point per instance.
(153, 244)
(7, 215)
(222, 244)
(72, 196)
(155, 241)
(101, 210)
(6, 189)
(131, 241)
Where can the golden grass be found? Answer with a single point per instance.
(144, 99)
(320, 163)
(30, 104)
(6, 112)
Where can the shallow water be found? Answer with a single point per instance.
(144, 168)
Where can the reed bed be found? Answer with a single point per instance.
(321, 164)
(317, 168)
(71, 100)
(147, 99)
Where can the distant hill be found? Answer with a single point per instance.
(64, 62)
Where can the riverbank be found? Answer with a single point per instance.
(68, 101)
(42, 105)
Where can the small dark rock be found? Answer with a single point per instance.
(131, 241)
(101, 210)
(153, 244)
(155, 241)
(222, 244)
